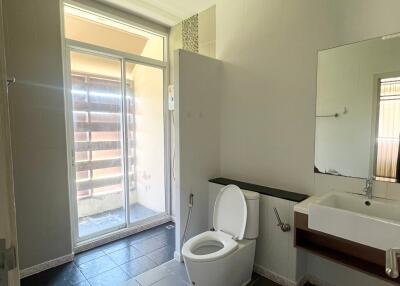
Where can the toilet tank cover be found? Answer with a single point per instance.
(230, 212)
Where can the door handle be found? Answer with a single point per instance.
(8, 261)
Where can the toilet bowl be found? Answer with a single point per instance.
(225, 256)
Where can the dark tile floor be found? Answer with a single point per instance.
(112, 263)
(258, 280)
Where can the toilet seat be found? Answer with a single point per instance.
(229, 220)
(209, 238)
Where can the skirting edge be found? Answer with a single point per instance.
(178, 256)
(46, 265)
(316, 281)
(273, 276)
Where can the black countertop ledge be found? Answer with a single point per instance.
(277, 193)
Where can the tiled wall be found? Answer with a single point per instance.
(190, 34)
(196, 34)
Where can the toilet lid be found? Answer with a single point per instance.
(230, 212)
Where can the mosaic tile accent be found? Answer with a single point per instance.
(190, 34)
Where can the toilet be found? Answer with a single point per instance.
(225, 256)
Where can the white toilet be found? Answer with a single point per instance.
(225, 256)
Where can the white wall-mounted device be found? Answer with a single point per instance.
(171, 97)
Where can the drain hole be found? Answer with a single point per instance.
(367, 203)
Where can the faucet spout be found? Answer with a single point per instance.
(392, 267)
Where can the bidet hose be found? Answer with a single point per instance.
(188, 218)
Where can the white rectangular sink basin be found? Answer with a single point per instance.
(375, 222)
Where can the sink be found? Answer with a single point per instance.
(375, 222)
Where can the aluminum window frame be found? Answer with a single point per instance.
(69, 45)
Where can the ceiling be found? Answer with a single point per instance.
(167, 12)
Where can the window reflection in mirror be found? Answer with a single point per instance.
(387, 144)
(358, 110)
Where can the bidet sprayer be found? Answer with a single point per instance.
(191, 199)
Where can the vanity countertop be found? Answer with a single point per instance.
(303, 206)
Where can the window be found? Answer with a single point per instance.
(387, 161)
(99, 30)
(116, 76)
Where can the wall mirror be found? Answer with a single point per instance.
(358, 110)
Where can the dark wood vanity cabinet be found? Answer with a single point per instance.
(360, 257)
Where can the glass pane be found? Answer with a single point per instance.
(145, 119)
(87, 27)
(388, 128)
(97, 121)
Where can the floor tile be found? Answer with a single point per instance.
(124, 255)
(131, 282)
(171, 280)
(84, 283)
(93, 263)
(64, 275)
(150, 245)
(177, 268)
(138, 266)
(110, 277)
(153, 275)
(97, 266)
(162, 255)
(166, 235)
(261, 281)
(87, 256)
(114, 246)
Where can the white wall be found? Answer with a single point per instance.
(34, 57)
(197, 126)
(8, 227)
(269, 82)
(269, 49)
(348, 77)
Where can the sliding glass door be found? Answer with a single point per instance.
(97, 107)
(145, 129)
(117, 108)
(115, 73)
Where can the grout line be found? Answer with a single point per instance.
(158, 232)
(98, 274)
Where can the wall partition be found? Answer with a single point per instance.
(116, 78)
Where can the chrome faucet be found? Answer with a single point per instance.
(392, 267)
(369, 183)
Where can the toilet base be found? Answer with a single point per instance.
(235, 269)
